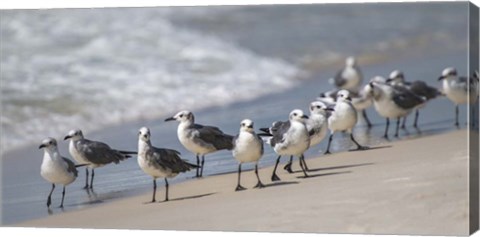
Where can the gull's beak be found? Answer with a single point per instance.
(305, 116)
(329, 109)
(264, 130)
(67, 137)
(441, 77)
(389, 80)
(169, 119)
(349, 98)
(41, 146)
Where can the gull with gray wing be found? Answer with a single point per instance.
(289, 138)
(317, 126)
(392, 102)
(95, 154)
(55, 168)
(200, 139)
(350, 77)
(419, 88)
(460, 90)
(159, 162)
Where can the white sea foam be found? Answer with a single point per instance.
(87, 69)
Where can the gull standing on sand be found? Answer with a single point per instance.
(419, 88)
(343, 118)
(95, 154)
(247, 147)
(350, 77)
(392, 102)
(317, 126)
(55, 168)
(159, 162)
(199, 139)
(289, 138)
(361, 100)
(460, 90)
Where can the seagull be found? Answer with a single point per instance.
(343, 118)
(55, 168)
(419, 88)
(350, 77)
(317, 126)
(247, 147)
(289, 138)
(95, 154)
(361, 100)
(460, 90)
(159, 162)
(392, 102)
(200, 139)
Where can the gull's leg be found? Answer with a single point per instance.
(329, 142)
(49, 199)
(239, 187)
(259, 183)
(274, 174)
(386, 129)
(288, 166)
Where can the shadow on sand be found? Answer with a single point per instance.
(192, 197)
(371, 148)
(335, 167)
(325, 174)
(281, 183)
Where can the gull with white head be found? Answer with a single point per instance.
(95, 154)
(317, 126)
(55, 168)
(159, 162)
(247, 147)
(200, 139)
(289, 138)
(350, 77)
(460, 90)
(343, 118)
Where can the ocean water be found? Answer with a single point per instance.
(111, 71)
(91, 68)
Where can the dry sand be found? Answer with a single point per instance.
(416, 186)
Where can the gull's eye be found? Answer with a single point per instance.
(181, 115)
(243, 125)
(294, 114)
(318, 106)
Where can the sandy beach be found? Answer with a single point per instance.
(226, 64)
(413, 186)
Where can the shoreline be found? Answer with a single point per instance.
(384, 195)
(114, 182)
(311, 74)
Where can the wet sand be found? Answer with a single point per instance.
(412, 186)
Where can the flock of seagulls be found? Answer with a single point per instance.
(333, 111)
